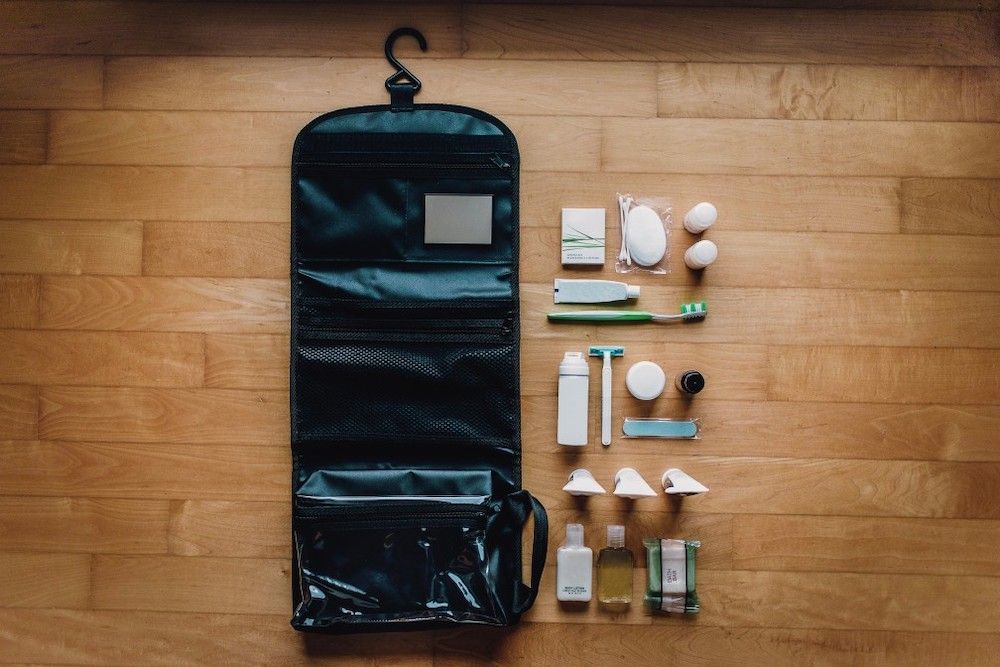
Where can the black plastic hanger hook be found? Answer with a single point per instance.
(401, 70)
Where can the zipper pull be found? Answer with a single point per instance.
(499, 162)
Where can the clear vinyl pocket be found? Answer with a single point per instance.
(384, 560)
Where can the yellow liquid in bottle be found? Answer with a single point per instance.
(614, 575)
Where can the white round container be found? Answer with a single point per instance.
(701, 254)
(645, 380)
(700, 217)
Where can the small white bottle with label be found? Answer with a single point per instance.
(574, 567)
(573, 389)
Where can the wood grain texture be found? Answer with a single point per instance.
(143, 193)
(56, 82)
(18, 412)
(164, 304)
(45, 580)
(828, 92)
(86, 525)
(102, 358)
(102, 637)
(848, 429)
(226, 28)
(319, 84)
(18, 301)
(71, 246)
(953, 206)
(124, 414)
(745, 203)
(817, 148)
(778, 35)
(22, 137)
(264, 139)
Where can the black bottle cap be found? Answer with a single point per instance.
(691, 382)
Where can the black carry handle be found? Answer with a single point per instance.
(539, 548)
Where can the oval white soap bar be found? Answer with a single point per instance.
(647, 240)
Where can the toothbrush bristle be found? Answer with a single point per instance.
(694, 311)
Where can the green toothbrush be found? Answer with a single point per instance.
(689, 312)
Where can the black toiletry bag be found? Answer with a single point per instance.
(408, 510)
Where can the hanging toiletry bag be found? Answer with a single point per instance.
(407, 506)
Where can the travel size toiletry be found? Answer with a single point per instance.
(592, 291)
(574, 567)
(630, 484)
(676, 482)
(700, 217)
(606, 352)
(645, 236)
(645, 380)
(690, 383)
(582, 483)
(614, 569)
(689, 312)
(660, 427)
(574, 381)
(583, 236)
(670, 575)
(701, 254)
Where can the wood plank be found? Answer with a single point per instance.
(779, 35)
(264, 139)
(18, 301)
(788, 316)
(245, 529)
(865, 544)
(745, 203)
(84, 525)
(885, 375)
(22, 137)
(304, 84)
(145, 471)
(124, 414)
(828, 92)
(180, 583)
(237, 249)
(102, 358)
(69, 246)
(18, 412)
(164, 304)
(950, 206)
(126, 638)
(734, 371)
(540, 644)
(797, 430)
(51, 82)
(804, 259)
(224, 28)
(755, 485)
(44, 580)
(246, 361)
(143, 193)
(802, 147)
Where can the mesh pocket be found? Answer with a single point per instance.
(406, 391)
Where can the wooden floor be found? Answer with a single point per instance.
(852, 413)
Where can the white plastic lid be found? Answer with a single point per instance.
(616, 536)
(702, 253)
(574, 534)
(574, 363)
(701, 216)
(632, 291)
(645, 380)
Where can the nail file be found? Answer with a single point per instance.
(637, 427)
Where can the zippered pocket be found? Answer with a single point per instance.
(393, 561)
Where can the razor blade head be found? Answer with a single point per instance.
(601, 350)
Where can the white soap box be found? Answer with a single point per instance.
(583, 236)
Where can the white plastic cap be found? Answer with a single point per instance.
(574, 534)
(645, 380)
(700, 217)
(616, 536)
(701, 254)
(632, 291)
(574, 363)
